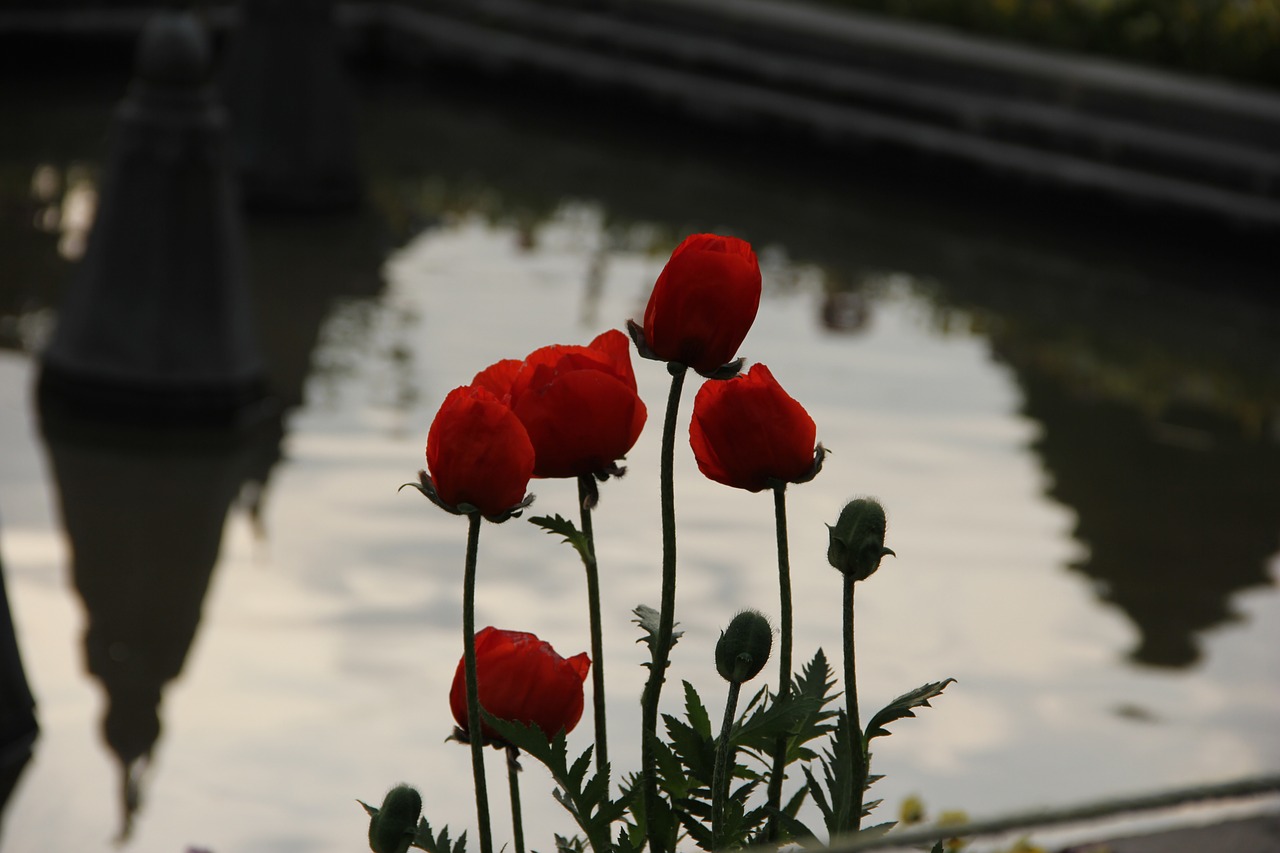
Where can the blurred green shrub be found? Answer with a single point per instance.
(1238, 39)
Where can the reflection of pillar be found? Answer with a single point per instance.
(157, 325)
(293, 119)
(303, 268)
(18, 725)
(1178, 516)
(144, 512)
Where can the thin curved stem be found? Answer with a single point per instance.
(475, 735)
(774, 801)
(597, 632)
(666, 613)
(513, 785)
(721, 776)
(856, 742)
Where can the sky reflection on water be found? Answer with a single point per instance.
(329, 635)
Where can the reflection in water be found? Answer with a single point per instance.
(144, 512)
(845, 310)
(1179, 515)
(18, 727)
(1159, 414)
(302, 269)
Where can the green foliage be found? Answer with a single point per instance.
(692, 743)
(813, 683)
(686, 758)
(841, 790)
(838, 793)
(432, 843)
(561, 526)
(586, 798)
(647, 619)
(904, 706)
(763, 721)
(576, 844)
(1217, 37)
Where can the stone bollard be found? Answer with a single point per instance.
(156, 327)
(292, 112)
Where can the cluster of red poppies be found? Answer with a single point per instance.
(573, 411)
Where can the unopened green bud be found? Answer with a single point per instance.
(744, 647)
(395, 825)
(857, 539)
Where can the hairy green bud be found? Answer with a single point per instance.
(744, 647)
(857, 539)
(393, 827)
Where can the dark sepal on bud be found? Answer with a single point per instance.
(636, 331)
(857, 539)
(726, 371)
(675, 368)
(393, 827)
(743, 648)
(428, 489)
(819, 456)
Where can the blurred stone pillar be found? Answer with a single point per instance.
(18, 726)
(157, 324)
(293, 115)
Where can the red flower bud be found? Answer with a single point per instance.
(522, 679)
(478, 452)
(747, 432)
(704, 302)
(579, 404)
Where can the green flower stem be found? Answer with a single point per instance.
(723, 773)
(476, 736)
(774, 801)
(513, 784)
(666, 613)
(856, 741)
(597, 634)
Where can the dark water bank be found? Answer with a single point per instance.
(1057, 139)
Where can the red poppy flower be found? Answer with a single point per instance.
(522, 679)
(478, 452)
(747, 432)
(579, 404)
(704, 302)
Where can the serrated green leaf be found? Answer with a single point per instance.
(696, 712)
(835, 799)
(699, 831)
(578, 771)
(426, 839)
(783, 716)
(561, 526)
(574, 844)
(904, 706)
(589, 804)
(814, 682)
(648, 619)
(671, 776)
(793, 805)
(798, 832)
(816, 678)
(696, 752)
